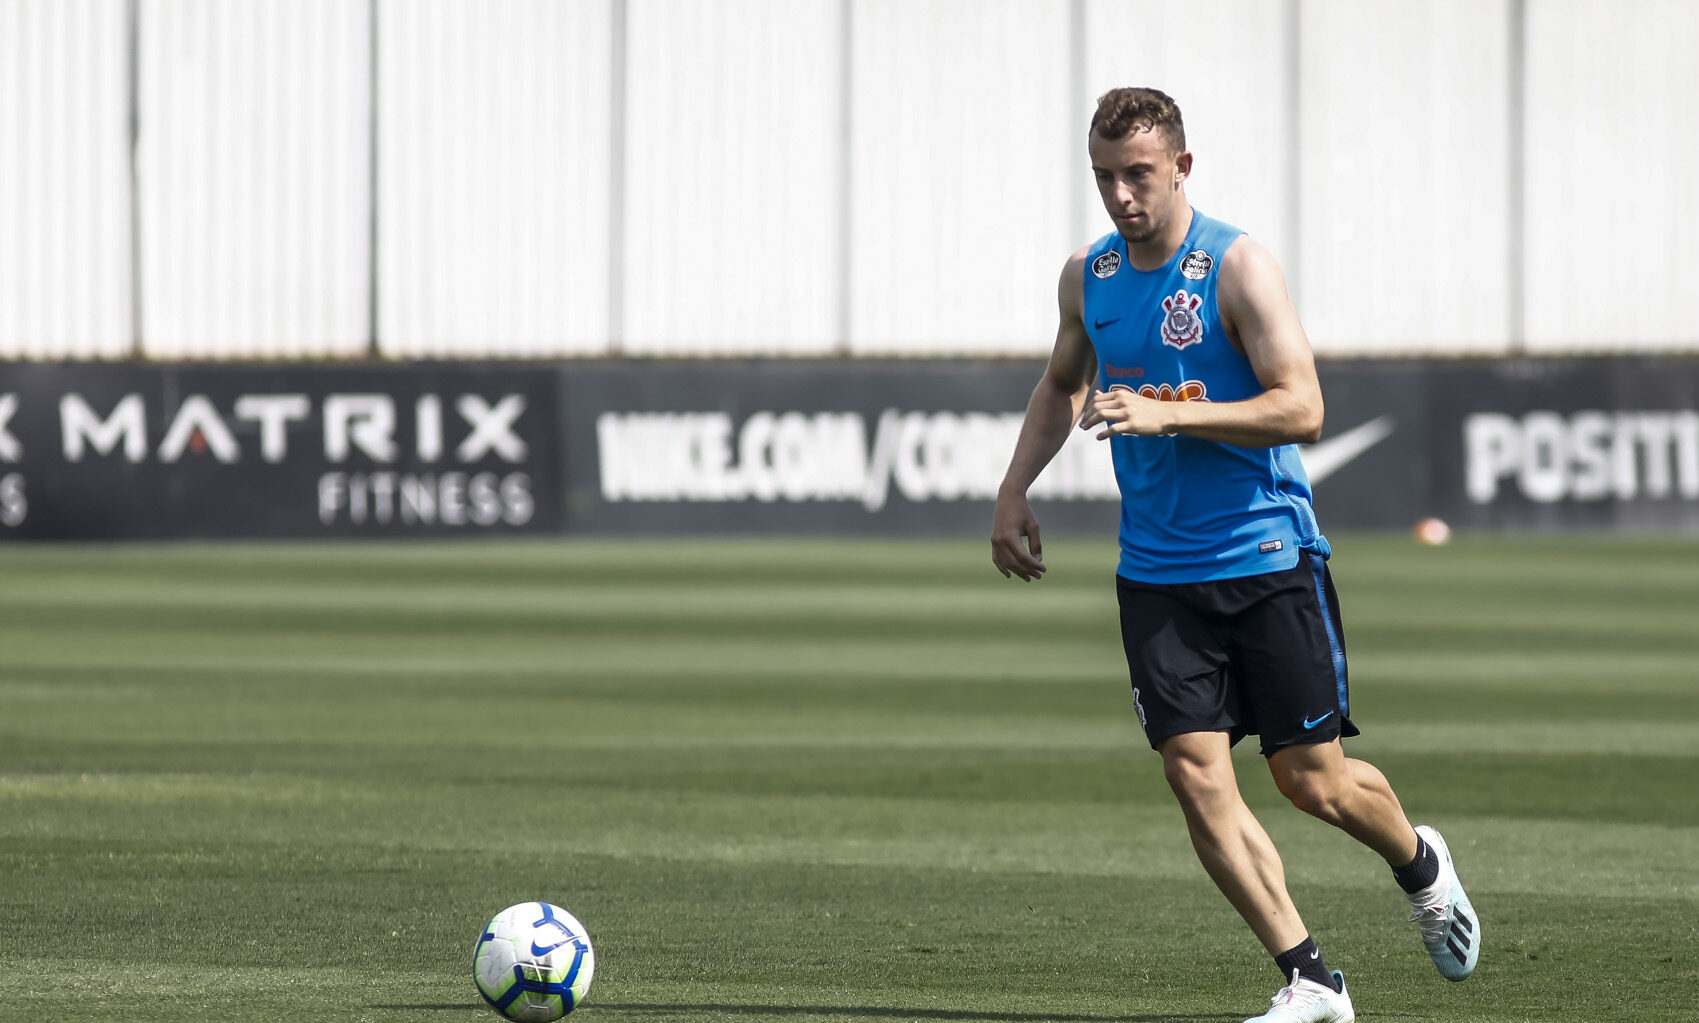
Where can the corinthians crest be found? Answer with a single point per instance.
(1181, 325)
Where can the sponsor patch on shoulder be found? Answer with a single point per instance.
(1104, 266)
(1269, 546)
(1196, 265)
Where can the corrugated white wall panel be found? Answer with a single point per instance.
(1405, 110)
(1613, 175)
(963, 144)
(252, 177)
(1224, 63)
(964, 154)
(64, 180)
(734, 144)
(493, 177)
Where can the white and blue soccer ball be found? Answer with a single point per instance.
(533, 962)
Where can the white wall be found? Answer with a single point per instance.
(1613, 175)
(1403, 176)
(493, 178)
(690, 177)
(252, 177)
(961, 199)
(64, 180)
(732, 183)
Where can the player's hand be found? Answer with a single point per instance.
(1123, 410)
(1015, 548)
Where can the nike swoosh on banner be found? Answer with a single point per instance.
(1324, 458)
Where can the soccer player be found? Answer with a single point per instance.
(1204, 381)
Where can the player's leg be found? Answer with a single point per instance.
(1292, 643)
(1355, 797)
(1241, 859)
(1289, 647)
(1230, 842)
(1178, 661)
(1351, 795)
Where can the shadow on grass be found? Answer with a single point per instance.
(863, 1011)
(877, 1012)
(887, 1012)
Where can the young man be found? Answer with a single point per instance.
(1205, 381)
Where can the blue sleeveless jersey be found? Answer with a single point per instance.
(1192, 510)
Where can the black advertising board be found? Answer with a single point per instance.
(286, 451)
(1565, 444)
(919, 447)
(810, 447)
(783, 447)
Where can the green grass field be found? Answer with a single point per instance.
(804, 781)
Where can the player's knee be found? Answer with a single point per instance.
(1317, 793)
(1196, 781)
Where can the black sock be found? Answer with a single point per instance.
(1420, 872)
(1307, 960)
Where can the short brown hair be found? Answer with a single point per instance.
(1120, 112)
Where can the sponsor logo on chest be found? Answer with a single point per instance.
(1191, 390)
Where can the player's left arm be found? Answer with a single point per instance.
(1258, 315)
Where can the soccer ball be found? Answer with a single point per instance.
(533, 962)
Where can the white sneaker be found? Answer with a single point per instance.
(1305, 1001)
(1451, 931)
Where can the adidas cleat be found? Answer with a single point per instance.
(1451, 931)
(1305, 1001)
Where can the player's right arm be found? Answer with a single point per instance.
(1054, 407)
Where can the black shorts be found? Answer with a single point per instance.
(1261, 655)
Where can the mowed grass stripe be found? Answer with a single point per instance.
(1141, 838)
(481, 654)
(1587, 788)
(384, 719)
(893, 687)
(1495, 685)
(1379, 569)
(1654, 625)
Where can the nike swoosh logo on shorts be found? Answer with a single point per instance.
(1308, 724)
(1324, 458)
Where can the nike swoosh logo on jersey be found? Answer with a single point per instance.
(1100, 324)
(1308, 724)
(1324, 458)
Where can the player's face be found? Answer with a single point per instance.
(1139, 180)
